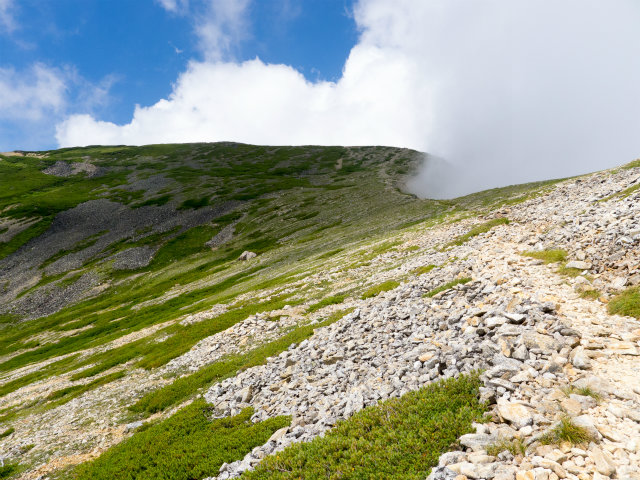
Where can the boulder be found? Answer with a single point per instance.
(247, 255)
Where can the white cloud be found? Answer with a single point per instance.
(221, 26)
(512, 90)
(174, 6)
(7, 20)
(34, 99)
(33, 93)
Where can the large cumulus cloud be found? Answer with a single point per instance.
(507, 90)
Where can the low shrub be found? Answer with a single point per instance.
(548, 256)
(626, 303)
(423, 269)
(515, 446)
(567, 431)
(333, 300)
(401, 438)
(377, 289)
(477, 230)
(186, 446)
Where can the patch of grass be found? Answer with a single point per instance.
(59, 397)
(477, 230)
(548, 256)
(54, 368)
(567, 431)
(401, 438)
(188, 445)
(626, 303)
(633, 164)
(447, 286)
(586, 391)
(423, 269)
(156, 201)
(194, 203)
(568, 272)
(7, 432)
(18, 240)
(377, 289)
(590, 294)
(622, 193)
(333, 300)
(9, 469)
(330, 253)
(186, 386)
(515, 446)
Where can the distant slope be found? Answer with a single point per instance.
(75, 220)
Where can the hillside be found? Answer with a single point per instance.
(127, 314)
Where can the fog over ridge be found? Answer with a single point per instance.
(506, 91)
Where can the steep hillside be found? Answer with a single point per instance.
(132, 332)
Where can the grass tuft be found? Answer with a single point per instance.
(590, 294)
(377, 289)
(548, 256)
(477, 230)
(567, 431)
(333, 300)
(515, 446)
(586, 391)
(626, 303)
(423, 269)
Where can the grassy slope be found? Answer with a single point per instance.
(297, 211)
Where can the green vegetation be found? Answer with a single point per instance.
(515, 446)
(477, 230)
(622, 193)
(447, 286)
(7, 432)
(591, 294)
(568, 272)
(626, 303)
(377, 289)
(567, 431)
(586, 391)
(66, 394)
(186, 446)
(9, 470)
(333, 300)
(633, 164)
(555, 256)
(548, 256)
(400, 438)
(186, 386)
(423, 269)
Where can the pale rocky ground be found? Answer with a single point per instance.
(518, 319)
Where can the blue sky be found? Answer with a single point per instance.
(507, 90)
(136, 48)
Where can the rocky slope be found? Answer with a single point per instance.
(539, 342)
(551, 354)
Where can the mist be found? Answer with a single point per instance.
(502, 91)
(528, 90)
